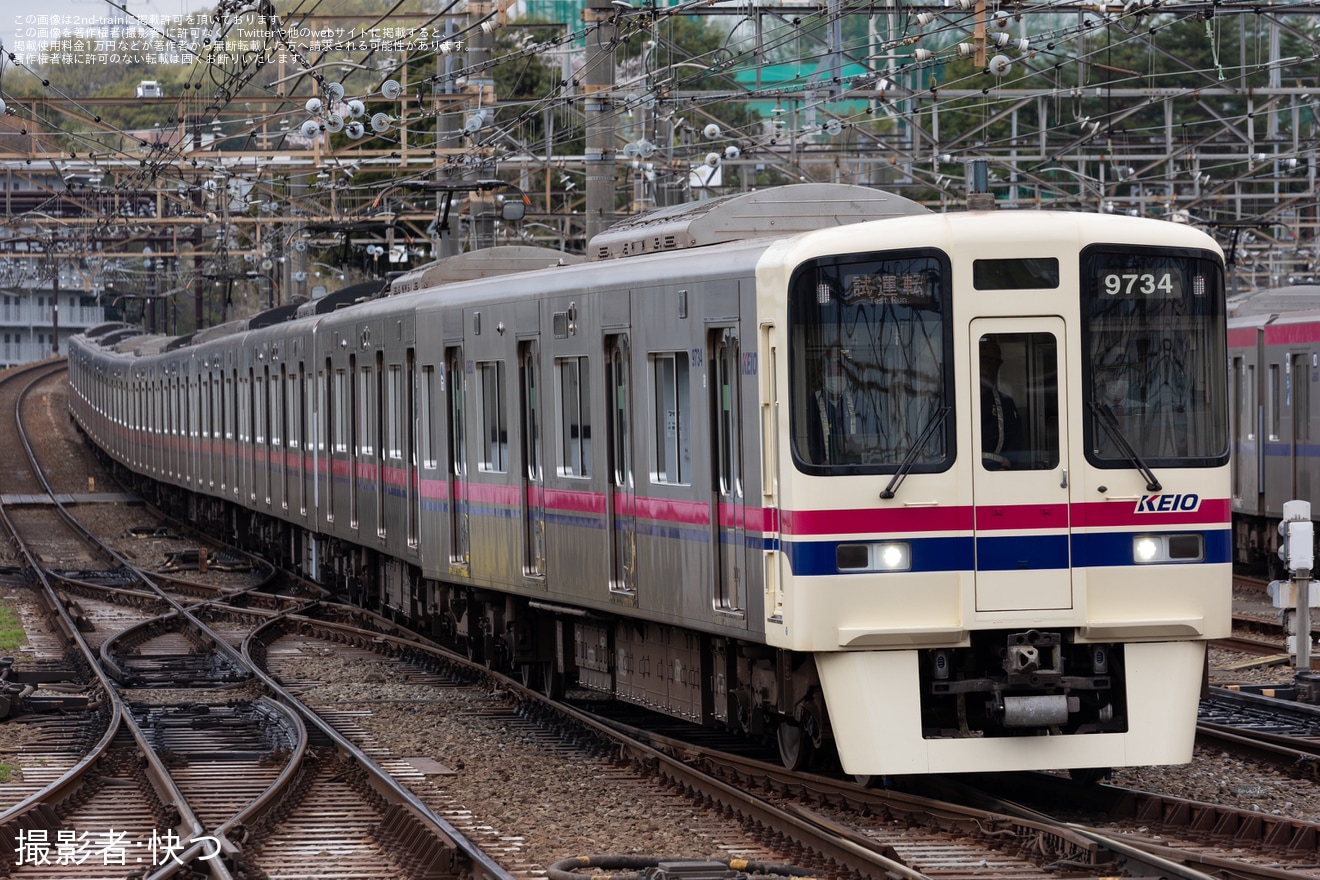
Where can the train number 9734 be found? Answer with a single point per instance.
(1140, 284)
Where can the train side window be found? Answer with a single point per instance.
(671, 391)
(1276, 401)
(575, 409)
(494, 419)
(426, 438)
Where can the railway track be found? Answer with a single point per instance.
(539, 786)
(245, 764)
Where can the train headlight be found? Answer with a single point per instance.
(1168, 548)
(886, 556)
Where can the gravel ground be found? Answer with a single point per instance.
(561, 805)
(558, 804)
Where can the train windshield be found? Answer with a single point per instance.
(1154, 337)
(870, 342)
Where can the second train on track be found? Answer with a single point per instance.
(944, 492)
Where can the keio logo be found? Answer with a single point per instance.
(1168, 503)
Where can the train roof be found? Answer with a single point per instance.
(108, 327)
(485, 263)
(344, 296)
(1266, 301)
(773, 212)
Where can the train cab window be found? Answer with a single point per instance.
(869, 370)
(494, 418)
(671, 389)
(575, 416)
(1153, 337)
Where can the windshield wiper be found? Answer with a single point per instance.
(911, 457)
(1107, 418)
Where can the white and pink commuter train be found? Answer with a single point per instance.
(940, 492)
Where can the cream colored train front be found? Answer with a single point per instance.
(1002, 485)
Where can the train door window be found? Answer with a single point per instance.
(275, 427)
(457, 434)
(292, 411)
(426, 435)
(494, 418)
(671, 391)
(1019, 380)
(575, 411)
(363, 407)
(1276, 400)
(394, 416)
(339, 436)
(259, 409)
(531, 406)
(408, 416)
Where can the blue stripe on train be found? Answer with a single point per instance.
(1006, 553)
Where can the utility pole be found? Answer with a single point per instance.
(597, 83)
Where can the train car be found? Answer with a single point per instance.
(1274, 370)
(935, 492)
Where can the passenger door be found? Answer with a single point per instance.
(1020, 483)
(533, 494)
(621, 515)
(729, 515)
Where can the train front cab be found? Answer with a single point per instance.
(973, 608)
